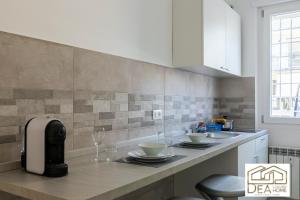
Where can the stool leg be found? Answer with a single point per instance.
(204, 195)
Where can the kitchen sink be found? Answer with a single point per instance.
(222, 135)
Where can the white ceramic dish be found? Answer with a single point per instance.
(142, 155)
(196, 137)
(197, 143)
(152, 149)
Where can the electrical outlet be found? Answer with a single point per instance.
(157, 114)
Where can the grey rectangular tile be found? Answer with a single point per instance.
(7, 139)
(83, 109)
(30, 106)
(148, 113)
(102, 95)
(6, 93)
(79, 102)
(120, 97)
(131, 97)
(168, 98)
(80, 117)
(83, 124)
(8, 110)
(9, 121)
(134, 120)
(235, 100)
(63, 94)
(8, 102)
(9, 130)
(147, 123)
(123, 107)
(247, 106)
(82, 94)
(236, 110)
(32, 94)
(134, 107)
(52, 109)
(185, 118)
(114, 107)
(120, 115)
(147, 97)
(157, 107)
(107, 115)
(101, 106)
(169, 117)
(105, 127)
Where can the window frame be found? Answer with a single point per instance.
(265, 68)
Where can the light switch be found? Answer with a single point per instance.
(157, 114)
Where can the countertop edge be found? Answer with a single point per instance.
(130, 187)
(163, 174)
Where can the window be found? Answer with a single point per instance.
(279, 63)
(285, 64)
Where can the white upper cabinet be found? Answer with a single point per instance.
(206, 37)
(233, 41)
(214, 33)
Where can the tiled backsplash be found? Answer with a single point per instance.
(20, 105)
(237, 100)
(89, 91)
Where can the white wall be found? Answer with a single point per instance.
(138, 29)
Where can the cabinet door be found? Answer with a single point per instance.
(214, 33)
(246, 155)
(261, 149)
(233, 42)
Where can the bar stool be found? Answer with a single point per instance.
(221, 186)
(185, 198)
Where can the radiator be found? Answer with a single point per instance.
(292, 156)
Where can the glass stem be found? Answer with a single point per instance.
(98, 152)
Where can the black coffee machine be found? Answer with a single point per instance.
(44, 146)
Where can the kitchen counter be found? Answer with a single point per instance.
(105, 181)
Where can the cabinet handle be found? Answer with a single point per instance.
(224, 68)
(256, 159)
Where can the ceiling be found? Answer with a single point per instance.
(260, 3)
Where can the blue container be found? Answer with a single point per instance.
(214, 127)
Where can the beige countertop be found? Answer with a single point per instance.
(104, 181)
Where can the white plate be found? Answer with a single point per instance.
(142, 155)
(198, 143)
(140, 160)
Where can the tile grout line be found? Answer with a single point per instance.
(73, 96)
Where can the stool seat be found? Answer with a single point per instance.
(185, 198)
(222, 186)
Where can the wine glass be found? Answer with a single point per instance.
(98, 137)
(169, 141)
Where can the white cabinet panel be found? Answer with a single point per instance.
(246, 155)
(214, 33)
(255, 151)
(261, 149)
(206, 37)
(233, 42)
